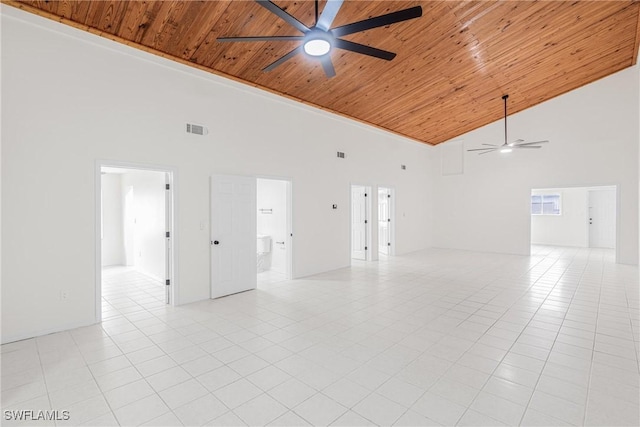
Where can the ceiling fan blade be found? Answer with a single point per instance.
(282, 59)
(492, 145)
(482, 149)
(527, 146)
(327, 65)
(331, 9)
(271, 7)
(364, 50)
(260, 39)
(490, 151)
(378, 21)
(531, 143)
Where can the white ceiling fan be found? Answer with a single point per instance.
(508, 147)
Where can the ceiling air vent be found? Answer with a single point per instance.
(196, 129)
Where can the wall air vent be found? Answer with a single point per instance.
(196, 129)
(340, 155)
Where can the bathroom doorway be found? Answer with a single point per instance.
(273, 246)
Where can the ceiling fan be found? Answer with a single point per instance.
(508, 147)
(319, 40)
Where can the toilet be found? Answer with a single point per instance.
(263, 246)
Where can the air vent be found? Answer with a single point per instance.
(340, 155)
(196, 129)
(403, 167)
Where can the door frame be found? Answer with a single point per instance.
(289, 236)
(392, 214)
(172, 214)
(369, 256)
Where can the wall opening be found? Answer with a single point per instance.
(273, 244)
(136, 260)
(578, 217)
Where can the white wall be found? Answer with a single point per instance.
(272, 194)
(129, 224)
(570, 228)
(70, 98)
(594, 141)
(112, 226)
(149, 221)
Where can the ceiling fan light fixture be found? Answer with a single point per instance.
(317, 47)
(317, 43)
(506, 150)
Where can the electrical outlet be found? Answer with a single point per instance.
(63, 295)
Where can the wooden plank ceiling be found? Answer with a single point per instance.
(452, 67)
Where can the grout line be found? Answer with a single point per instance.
(554, 341)
(593, 348)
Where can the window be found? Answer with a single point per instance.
(545, 204)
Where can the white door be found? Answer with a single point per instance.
(233, 234)
(358, 222)
(602, 218)
(384, 220)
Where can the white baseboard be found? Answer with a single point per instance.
(39, 333)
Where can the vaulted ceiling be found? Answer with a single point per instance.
(452, 66)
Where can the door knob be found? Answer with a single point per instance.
(215, 242)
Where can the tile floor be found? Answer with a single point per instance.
(270, 277)
(126, 290)
(438, 337)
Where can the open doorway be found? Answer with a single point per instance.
(135, 211)
(582, 217)
(386, 219)
(273, 226)
(360, 222)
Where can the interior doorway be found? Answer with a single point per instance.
(135, 243)
(360, 222)
(386, 220)
(273, 226)
(583, 217)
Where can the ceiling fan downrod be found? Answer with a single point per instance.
(507, 147)
(505, 118)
